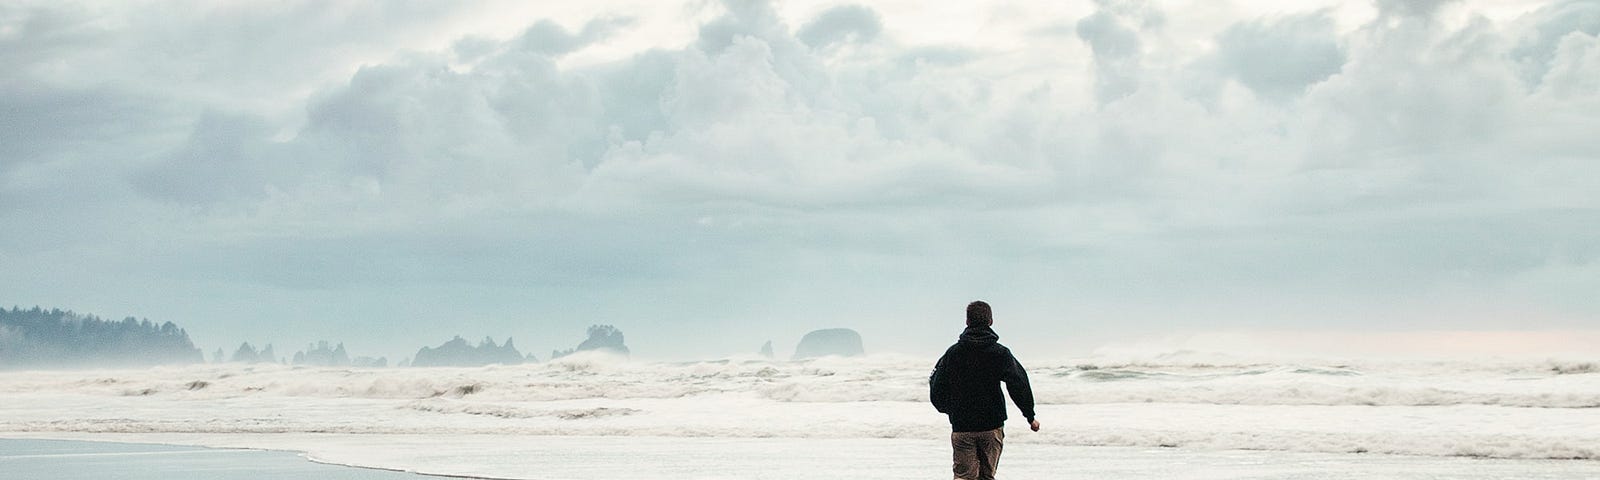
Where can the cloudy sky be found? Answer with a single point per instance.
(710, 175)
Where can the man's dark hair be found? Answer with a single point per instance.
(979, 315)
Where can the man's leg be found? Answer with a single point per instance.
(988, 448)
(965, 445)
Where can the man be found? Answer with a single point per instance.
(966, 386)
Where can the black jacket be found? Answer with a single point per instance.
(966, 382)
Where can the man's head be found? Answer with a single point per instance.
(979, 315)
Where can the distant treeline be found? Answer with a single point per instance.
(55, 338)
(38, 338)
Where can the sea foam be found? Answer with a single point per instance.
(1501, 408)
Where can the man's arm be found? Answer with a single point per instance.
(1016, 379)
(939, 386)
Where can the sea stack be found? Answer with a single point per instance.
(841, 342)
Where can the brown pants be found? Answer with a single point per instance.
(977, 453)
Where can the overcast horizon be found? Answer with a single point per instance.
(707, 176)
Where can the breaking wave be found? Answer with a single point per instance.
(1510, 409)
(1533, 385)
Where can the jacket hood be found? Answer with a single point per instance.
(979, 335)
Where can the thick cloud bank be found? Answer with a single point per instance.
(1423, 163)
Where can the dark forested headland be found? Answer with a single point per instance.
(38, 338)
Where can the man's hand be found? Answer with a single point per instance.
(1033, 424)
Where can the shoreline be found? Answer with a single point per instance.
(491, 457)
(163, 454)
(73, 436)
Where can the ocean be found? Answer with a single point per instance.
(1179, 415)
